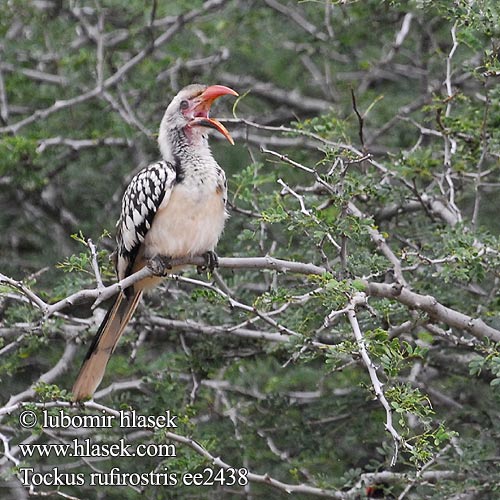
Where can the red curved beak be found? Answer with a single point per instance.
(202, 106)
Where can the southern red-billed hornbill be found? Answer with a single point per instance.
(173, 208)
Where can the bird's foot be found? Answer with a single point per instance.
(160, 265)
(211, 262)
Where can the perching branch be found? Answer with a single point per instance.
(426, 303)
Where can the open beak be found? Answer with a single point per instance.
(202, 105)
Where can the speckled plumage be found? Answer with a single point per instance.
(140, 203)
(173, 210)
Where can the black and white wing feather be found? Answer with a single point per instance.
(151, 187)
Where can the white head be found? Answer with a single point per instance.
(186, 118)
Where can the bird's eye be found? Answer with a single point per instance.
(184, 104)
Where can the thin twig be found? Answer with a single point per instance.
(180, 21)
(197, 448)
(427, 303)
(6, 450)
(95, 264)
(357, 300)
(360, 119)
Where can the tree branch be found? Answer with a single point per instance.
(357, 300)
(180, 21)
(427, 303)
(196, 447)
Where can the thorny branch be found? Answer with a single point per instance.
(428, 304)
(434, 316)
(178, 23)
(356, 301)
(450, 144)
(194, 445)
(385, 476)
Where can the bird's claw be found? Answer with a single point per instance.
(160, 265)
(211, 262)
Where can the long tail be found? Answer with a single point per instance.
(103, 345)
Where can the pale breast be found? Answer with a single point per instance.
(189, 224)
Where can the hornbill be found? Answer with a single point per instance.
(173, 208)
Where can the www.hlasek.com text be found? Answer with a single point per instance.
(86, 448)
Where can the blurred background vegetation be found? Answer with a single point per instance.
(388, 106)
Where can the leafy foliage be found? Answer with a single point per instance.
(367, 143)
